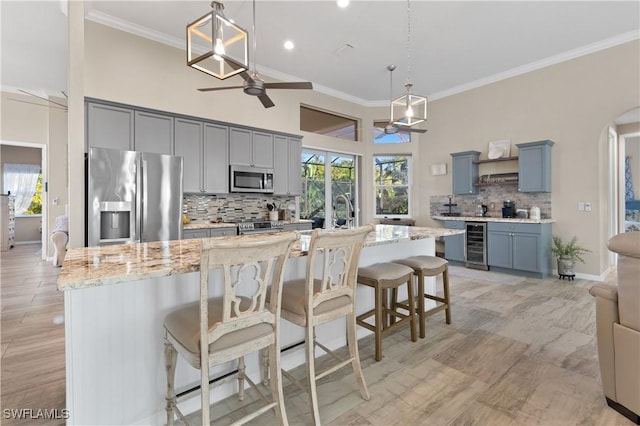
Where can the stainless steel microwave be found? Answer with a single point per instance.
(250, 179)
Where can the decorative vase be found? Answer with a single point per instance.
(565, 266)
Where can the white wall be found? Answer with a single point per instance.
(569, 103)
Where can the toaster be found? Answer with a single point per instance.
(522, 213)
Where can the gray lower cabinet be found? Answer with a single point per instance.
(301, 226)
(250, 148)
(519, 246)
(287, 178)
(188, 234)
(204, 147)
(153, 133)
(454, 244)
(534, 166)
(464, 172)
(109, 126)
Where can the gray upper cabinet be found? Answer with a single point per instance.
(188, 144)
(534, 166)
(464, 171)
(204, 147)
(109, 126)
(287, 169)
(250, 148)
(153, 133)
(216, 163)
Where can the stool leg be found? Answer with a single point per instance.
(352, 343)
(241, 373)
(171, 355)
(420, 296)
(388, 318)
(412, 309)
(378, 321)
(445, 285)
(311, 372)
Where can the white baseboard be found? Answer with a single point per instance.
(20, 243)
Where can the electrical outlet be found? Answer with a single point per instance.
(580, 206)
(587, 207)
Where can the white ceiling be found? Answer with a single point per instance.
(455, 45)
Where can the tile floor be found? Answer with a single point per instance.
(518, 352)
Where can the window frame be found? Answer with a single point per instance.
(39, 179)
(408, 185)
(356, 123)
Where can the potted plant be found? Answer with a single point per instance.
(567, 253)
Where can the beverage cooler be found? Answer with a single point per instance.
(476, 245)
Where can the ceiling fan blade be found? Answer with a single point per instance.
(211, 89)
(412, 130)
(244, 74)
(380, 136)
(266, 101)
(290, 85)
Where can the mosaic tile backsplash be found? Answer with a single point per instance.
(231, 207)
(492, 196)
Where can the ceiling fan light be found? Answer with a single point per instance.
(213, 51)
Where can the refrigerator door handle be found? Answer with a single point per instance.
(143, 196)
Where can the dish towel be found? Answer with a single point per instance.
(628, 183)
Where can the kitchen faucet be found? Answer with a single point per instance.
(350, 212)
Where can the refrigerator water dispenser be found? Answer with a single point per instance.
(115, 221)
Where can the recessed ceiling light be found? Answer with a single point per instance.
(289, 45)
(342, 3)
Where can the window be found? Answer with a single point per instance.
(379, 136)
(328, 124)
(391, 182)
(24, 181)
(329, 189)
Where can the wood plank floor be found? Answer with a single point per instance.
(33, 369)
(518, 352)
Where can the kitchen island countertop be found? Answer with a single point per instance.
(492, 219)
(98, 266)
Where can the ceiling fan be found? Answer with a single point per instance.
(254, 85)
(392, 128)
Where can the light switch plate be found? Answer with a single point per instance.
(439, 169)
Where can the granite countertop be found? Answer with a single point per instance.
(492, 219)
(97, 266)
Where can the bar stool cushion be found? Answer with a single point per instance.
(294, 299)
(384, 271)
(423, 262)
(184, 325)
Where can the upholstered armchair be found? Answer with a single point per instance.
(618, 328)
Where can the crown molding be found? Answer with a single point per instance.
(533, 66)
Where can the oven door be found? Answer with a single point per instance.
(260, 231)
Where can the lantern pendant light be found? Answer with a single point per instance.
(223, 43)
(409, 109)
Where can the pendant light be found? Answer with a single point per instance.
(411, 108)
(224, 43)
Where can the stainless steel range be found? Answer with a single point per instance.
(260, 226)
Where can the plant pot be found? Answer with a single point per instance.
(565, 266)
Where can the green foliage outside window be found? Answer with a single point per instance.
(392, 185)
(36, 202)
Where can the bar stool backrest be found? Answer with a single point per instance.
(332, 264)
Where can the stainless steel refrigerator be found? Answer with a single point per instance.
(133, 197)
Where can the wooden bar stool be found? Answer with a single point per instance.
(383, 277)
(426, 266)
